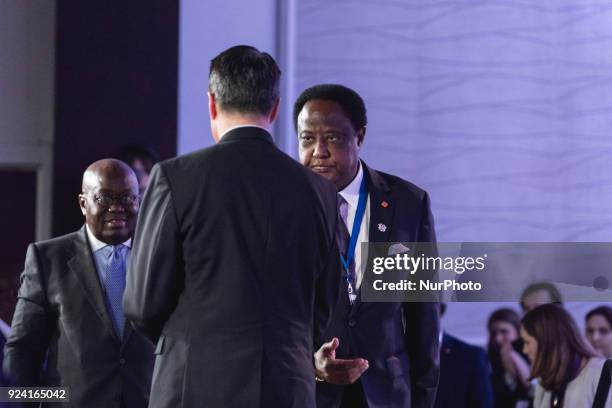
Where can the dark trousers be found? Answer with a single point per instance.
(353, 396)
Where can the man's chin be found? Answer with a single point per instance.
(116, 237)
(327, 172)
(329, 175)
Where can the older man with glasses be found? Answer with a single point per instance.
(69, 309)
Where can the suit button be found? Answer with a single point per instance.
(352, 323)
(122, 361)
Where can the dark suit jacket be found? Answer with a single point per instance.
(503, 395)
(464, 376)
(61, 314)
(234, 269)
(3, 383)
(403, 359)
(2, 343)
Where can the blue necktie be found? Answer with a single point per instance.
(114, 282)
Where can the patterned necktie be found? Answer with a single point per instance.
(344, 238)
(114, 282)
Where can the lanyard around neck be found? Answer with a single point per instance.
(361, 205)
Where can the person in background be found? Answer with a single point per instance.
(4, 333)
(9, 286)
(464, 374)
(509, 367)
(141, 159)
(599, 330)
(567, 369)
(540, 293)
(69, 309)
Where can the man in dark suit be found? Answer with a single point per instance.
(378, 354)
(465, 380)
(235, 266)
(2, 343)
(3, 383)
(464, 376)
(69, 307)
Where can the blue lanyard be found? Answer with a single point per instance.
(361, 205)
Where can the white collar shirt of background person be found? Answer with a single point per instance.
(351, 194)
(580, 392)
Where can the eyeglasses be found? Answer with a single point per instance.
(106, 200)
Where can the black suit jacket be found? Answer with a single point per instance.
(234, 270)
(3, 383)
(503, 395)
(61, 314)
(399, 340)
(464, 376)
(2, 343)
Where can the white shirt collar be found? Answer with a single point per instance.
(351, 192)
(242, 126)
(96, 244)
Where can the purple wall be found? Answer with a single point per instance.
(116, 84)
(206, 29)
(500, 109)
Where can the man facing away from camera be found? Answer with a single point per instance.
(377, 354)
(69, 307)
(234, 270)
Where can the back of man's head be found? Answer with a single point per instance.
(244, 80)
(540, 293)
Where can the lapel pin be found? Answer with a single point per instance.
(384, 204)
(382, 227)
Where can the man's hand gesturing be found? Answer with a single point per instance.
(337, 371)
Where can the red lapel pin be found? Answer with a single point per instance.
(384, 204)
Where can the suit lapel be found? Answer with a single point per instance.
(127, 332)
(381, 214)
(84, 267)
(382, 208)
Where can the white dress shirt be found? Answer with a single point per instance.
(580, 392)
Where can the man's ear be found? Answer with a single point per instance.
(212, 107)
(82, 203)
(361, 136)
(274, 112)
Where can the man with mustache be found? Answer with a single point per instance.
(377, 354)
(69, 308)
